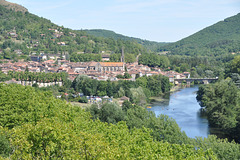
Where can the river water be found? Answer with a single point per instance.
(184, 108)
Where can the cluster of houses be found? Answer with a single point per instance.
(95, 70)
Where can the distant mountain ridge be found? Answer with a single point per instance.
(35, 34)
(151, 45)
(23, 34)
(220, 38)
(13, 6)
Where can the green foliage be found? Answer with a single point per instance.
(126, 105)
(115, 57)
(38, 76)
(125, 76)
(67, 132)
(198, 65)
(163, 128)
(154, 60)
(34, 34)
(235, 65)
(85, 57)
(4, 77)
(20, 104)
(5, 146)
(54, 139)
(83, 100)
(129, 58)
(138, 96)
(222, 148)
(218, 39)
(221, 102)
(150, 45)
(111, 113)
(151, 86)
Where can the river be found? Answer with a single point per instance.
(184, 108)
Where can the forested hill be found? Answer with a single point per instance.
(151, 45)
(13, 6)
(220, 38)
(29, 33)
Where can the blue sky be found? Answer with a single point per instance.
(156, 20)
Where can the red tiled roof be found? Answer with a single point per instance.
(111, 64)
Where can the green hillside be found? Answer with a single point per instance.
(13, 6)
(150, 45)
(32, 34)
(220, 38)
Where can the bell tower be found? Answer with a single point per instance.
(122, 57)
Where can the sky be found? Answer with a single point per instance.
(155, 20)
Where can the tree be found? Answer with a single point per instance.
(111, 113)
(5, 146)
(235, 65)
(127, 75)
(138, 96)
(184, 67)
(221, 101)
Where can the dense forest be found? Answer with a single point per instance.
(218, 39)
(31, 34)
(150, 45)
(221, 101)
(138, 91)
(35, 125)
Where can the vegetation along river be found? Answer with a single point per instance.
(184, 108)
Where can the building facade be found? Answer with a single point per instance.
(106, 66)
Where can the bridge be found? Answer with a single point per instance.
(190, 80)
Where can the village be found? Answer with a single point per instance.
(101, 71)
(104, 70)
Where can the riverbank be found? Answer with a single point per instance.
(184, 108)
(165, 96)
(175, 88)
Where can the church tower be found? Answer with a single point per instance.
(122, 57)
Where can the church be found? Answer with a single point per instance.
(106, 66)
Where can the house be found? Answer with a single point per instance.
(72, 34)
(79, 67)
(13, 34)
(34, 69)
(61, 43)
(36, 58)
(80, 94)
(133, 74)
(59, 96)
(44, 57)
(62, 69)
(187, 74)
(105, 57)
(54, 56)
(18, 51)
(171, 78)
(122, 99)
